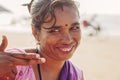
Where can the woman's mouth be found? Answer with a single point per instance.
(66, 49)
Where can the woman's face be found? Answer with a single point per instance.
(60, 41)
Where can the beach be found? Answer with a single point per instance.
(97, 56)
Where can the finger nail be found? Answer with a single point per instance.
(37, 56)
(43, 60)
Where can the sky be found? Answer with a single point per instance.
(86, 6)
(15, 6)
(100, 6)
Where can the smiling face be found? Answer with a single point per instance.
(61, 40)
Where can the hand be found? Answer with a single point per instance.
(8, 61)
(4, 43)
(6, 71)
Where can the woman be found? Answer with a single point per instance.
(56, 28)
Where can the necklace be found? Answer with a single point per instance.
(40, 76)
(38, 66)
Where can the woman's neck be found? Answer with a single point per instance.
(51, 68)
(51, 63)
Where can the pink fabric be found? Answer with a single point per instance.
(26, 72)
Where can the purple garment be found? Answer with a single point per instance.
(68, 72)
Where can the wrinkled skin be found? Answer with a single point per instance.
(8, 61)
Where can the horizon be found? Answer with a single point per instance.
(109, 18)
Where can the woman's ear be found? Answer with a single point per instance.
(34, 32)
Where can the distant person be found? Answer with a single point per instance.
(91, 24)
(56, 28)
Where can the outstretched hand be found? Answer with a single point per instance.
(4, 43)
(9, 61)
(28, 58)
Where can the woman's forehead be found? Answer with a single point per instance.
(64, 17)
(66, 11)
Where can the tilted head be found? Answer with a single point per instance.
(55, 25)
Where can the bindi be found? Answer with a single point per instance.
(66, 24)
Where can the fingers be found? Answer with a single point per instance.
(22, 59)
(13, 69)
(4, 43)
(24, 62)
(7, 76)
(31, 55)
(22, 55)
(25, 56)
(30, 50)
(7, 71)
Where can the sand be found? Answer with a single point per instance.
(97, 56)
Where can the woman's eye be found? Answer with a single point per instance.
(75, 28)
(54, 30)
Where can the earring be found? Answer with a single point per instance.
(38, 47)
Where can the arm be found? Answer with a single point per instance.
(9, 60)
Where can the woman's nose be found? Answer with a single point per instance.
(67, 38)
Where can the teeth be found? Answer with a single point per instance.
(66, 49)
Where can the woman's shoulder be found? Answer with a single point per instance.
(79, 72)
(23, 72)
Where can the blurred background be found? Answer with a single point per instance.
(99, 52)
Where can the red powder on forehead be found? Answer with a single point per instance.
(66, 24)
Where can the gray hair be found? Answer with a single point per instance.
(40, 10)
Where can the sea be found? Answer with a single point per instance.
(109, 24)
